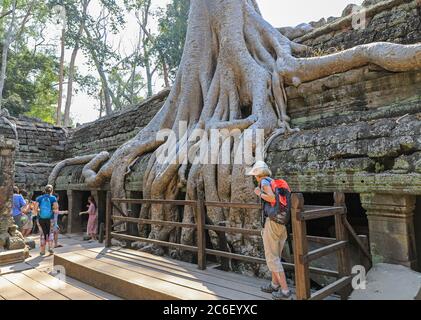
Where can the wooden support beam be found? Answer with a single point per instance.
(331, 288)
(324, 251)
(321, 213)
(317, 239)
(344, 262)
(302, 276)
(232, 205)
(253, 232)
(108, 222)
(156, 201)
(201, 235)
(154, 241)
(235, 256)
(358, 240)
(155, 222)
(119, 210)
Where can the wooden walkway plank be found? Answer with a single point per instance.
(97, 271)
(10, 291)
(225, 290)
(65, 289)
(188, 267)
(33, 287)
(92, 290)
(194, 274)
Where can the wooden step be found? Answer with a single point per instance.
(149, 277)
(229, 276)
(188, 278)
(67, 290)
(34, 288)
(13, 256)
(10, 291)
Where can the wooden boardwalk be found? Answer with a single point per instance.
(32, 279)
(132, 274)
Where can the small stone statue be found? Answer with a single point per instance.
(16, 240)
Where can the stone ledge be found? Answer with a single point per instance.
(13, 256)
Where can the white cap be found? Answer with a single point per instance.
(259, 168)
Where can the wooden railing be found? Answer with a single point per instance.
(299, 215)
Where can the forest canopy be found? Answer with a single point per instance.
(51, 50)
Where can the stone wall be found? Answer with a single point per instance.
(40, 146)
(361, 131)
(7, 152)
(110, 132)
(38, 141)
(397, 21)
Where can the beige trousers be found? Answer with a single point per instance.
(274, 236)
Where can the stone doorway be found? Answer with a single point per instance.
(324, 227)
(101, 201)
(63, 203)
(77, 202)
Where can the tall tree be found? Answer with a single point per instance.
(142, 12)
(168, 45)
(95, 43)
(31, 86)
(15, 27)
(234, 63)
(76, 18)
(61, 76)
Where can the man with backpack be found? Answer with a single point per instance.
(47, 205)
(275, 195)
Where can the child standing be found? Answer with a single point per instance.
(92, 220)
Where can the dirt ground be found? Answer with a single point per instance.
(389, 282)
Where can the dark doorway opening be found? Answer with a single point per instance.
(324, 227)
(84, 205)
(63, 204)
(77, 222)
(101, 202)
(356, 214)
(36, 194)
(63, 201)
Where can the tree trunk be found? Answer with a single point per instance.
(233, 62)
(165, 71)
(148, 76)
(70, 80)
(107, 99)
(101, 102)
(75, 51)
(61, 78)
(5, 51)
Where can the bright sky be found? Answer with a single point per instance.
(279, 13)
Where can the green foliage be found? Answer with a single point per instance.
(172, 33)
(31, 84)
(31, 72)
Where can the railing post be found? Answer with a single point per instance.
(108, 221)
(299, 231)
(201, 238)
(344, 262)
